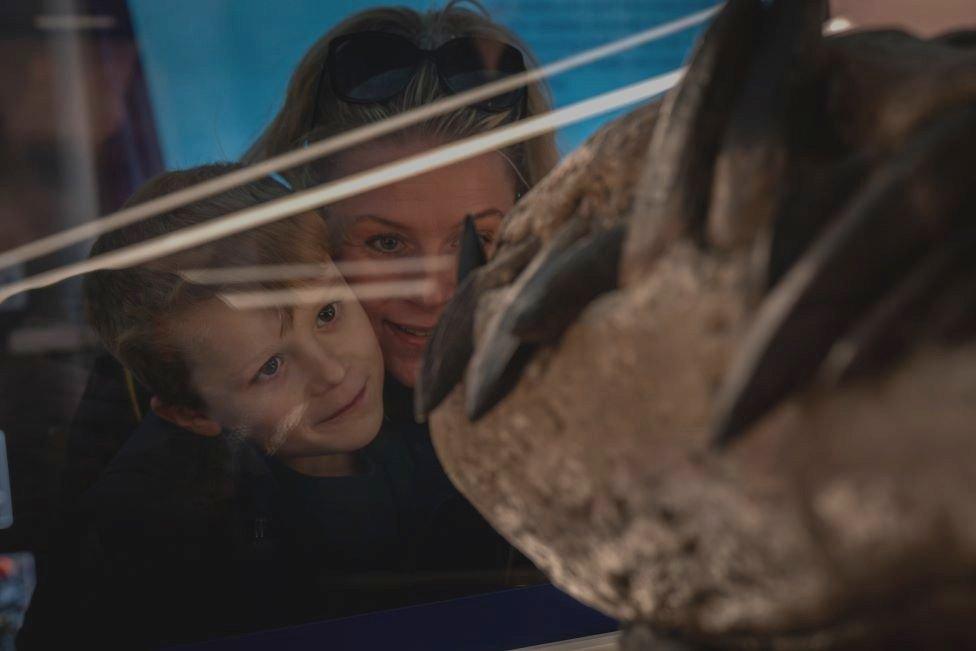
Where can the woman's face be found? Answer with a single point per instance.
(421, 219)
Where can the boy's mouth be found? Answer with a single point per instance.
(346, 408)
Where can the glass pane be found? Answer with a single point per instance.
(194, 456)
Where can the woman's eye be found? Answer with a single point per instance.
(486, 239)
(385, 243)
(270, 368)
(327, 314)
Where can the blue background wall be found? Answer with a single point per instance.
(217, 69)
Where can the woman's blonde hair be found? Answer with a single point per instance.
(311, 111)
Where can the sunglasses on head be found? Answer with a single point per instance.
(371, 67)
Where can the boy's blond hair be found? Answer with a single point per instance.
(133, 310)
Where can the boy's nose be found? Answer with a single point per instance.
(326, 372)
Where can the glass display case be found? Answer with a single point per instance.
(124, 508)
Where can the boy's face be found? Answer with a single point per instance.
(301, 387)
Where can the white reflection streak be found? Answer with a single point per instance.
(837, 25)
(281, 431)
(298, 202)
(120, 218)
(273, 272)
(259, 300)
(72, 22)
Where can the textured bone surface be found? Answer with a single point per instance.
(842, 512)
(612, 491)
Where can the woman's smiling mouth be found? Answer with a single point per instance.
(412, 336)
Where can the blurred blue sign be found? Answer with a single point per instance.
(217, 70)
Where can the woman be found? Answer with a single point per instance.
(418, 218)
(372, 66)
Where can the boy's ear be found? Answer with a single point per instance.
(186, 417)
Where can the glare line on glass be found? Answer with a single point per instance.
(312, 151)
(272, 272)
(350, 186)
(259, 300)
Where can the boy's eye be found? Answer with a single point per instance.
(385, 243)
(327, 314)
(270, 368)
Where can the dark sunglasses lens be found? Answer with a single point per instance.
(372, 67)
(467, 63)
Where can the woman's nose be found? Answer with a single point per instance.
(439, 283)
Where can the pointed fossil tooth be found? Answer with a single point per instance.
(962, 38)
(803, 216)
(894, 321)
(448, 350)
(570, 274)
(500, 354)
(601, 168)
(495, 370)
(555, 296)
(764, 127)
(881, 86)
(953, 319)
(893, 222)
(451, 342)
(672, 192)
(472, 254)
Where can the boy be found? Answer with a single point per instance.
(303, 380)
(261, 419)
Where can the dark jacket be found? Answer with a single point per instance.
(185, 537)
(198, 537)
(184, 542)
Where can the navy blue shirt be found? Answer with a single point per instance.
(197, 537)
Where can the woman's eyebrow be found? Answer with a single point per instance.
(389, 223)
(487, 212)
(475, 216)
(455, 230)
